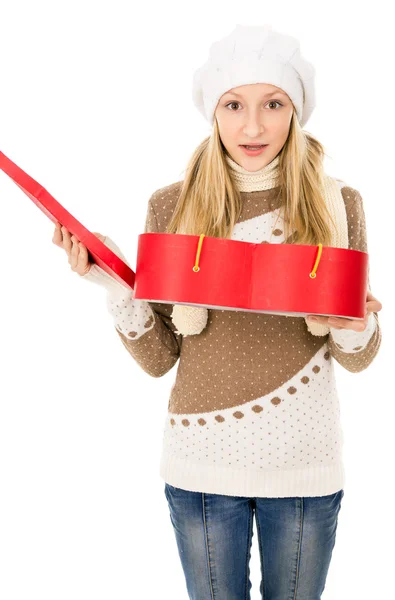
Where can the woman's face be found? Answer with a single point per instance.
(258, 113)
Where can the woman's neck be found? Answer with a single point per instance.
(251, 181)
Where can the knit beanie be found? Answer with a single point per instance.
(255, 54)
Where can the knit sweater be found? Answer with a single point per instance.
(254, 409)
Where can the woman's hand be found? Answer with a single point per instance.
(76, 251)
(372, 305)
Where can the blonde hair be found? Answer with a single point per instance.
(210, 201)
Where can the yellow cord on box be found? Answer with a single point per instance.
(313, 272)
(196, 267)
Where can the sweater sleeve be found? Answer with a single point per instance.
(145, 328)
(355, 350)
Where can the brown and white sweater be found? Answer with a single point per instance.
(254, 409)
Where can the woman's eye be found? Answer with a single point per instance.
(275, 102)
(230, 103)
(271, 102)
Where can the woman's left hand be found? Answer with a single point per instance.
(372, 305)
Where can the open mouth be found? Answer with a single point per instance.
(253, 150)
(254, 146)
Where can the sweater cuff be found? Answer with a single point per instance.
(354, 341)
(98, 276)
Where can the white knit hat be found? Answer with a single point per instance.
(255, 54)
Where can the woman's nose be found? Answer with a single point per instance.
(253, 125)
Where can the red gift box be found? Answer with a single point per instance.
(288, 279)
(98, 252)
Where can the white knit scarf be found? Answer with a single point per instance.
(191, 320)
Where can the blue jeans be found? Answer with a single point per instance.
(214, 532)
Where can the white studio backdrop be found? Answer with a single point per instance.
(96, 106)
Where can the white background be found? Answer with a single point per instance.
(95, 104)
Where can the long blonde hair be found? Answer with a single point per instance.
(210, 201)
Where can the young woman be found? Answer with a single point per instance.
(253, 418)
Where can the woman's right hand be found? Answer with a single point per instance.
(76, 251)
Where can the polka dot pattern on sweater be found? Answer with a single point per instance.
(254, 406)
